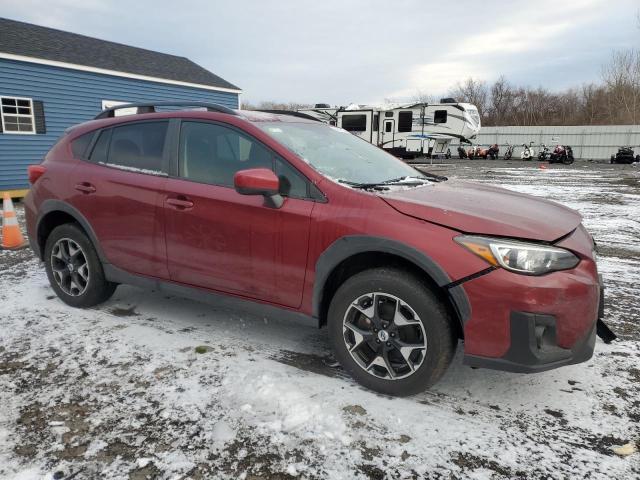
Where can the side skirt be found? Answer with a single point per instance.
(218, 299)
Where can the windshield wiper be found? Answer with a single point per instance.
(364, 186)
(405, 180)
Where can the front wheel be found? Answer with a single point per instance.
(568, 160)
(74, 269)
(390, 331)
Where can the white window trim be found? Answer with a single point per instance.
(32, 116)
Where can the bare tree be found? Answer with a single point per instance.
(423, 97)
(472, 91)
(271, 105)
(501, 101)
(622, 79)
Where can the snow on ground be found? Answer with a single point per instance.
(120, 391)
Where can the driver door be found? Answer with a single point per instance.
(222, 240)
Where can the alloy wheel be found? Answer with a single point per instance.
(384, 336)
(70, 267)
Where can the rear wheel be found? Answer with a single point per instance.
(74, 269)
(391, 332)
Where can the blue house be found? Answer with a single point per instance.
(50, 80)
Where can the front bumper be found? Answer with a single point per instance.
(534, 347)
(524, 323)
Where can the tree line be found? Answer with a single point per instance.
(613, 101)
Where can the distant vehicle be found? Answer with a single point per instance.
(625, 156)
(479, 152)
(509, 153)
(544, 153)
(562, 154)
(493, 151)
(405, 130)
(473, 152)
(308, 221)
(528, 152)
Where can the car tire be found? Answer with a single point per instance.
(74, 269)
(429, 323)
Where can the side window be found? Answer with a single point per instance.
(376, 122)
(405, 121)
(387, 127)
(79, 145)
(354, 123)
(211, 153)
(440, 116)
(100, 150)
(138, 146)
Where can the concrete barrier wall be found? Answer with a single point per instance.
(588, 142)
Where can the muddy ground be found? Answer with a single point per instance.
(149, 386)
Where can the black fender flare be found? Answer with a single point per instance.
(350, 245)
(50, 206)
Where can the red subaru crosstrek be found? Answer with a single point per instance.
(289, 213)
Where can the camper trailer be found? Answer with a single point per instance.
(407, 131)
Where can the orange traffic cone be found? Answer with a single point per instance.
(12, 238)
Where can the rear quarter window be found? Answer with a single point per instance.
(101, 148)
(80, 145)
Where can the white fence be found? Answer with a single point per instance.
(588, 142)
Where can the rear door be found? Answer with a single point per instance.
(388, 134)
(221, 240)
(118, 190)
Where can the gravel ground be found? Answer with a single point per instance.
(150, 386)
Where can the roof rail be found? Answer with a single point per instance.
(150, 107)
(293, 113)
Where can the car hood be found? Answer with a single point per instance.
(483, 209)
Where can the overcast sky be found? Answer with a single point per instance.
(342, 51)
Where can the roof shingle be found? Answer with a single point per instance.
(25, 39)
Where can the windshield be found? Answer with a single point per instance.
(338, 154)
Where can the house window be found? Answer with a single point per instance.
(354, 123)
(17, 115)
(440, 116)
(405, 121)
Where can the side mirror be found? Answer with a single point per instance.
(259, 181)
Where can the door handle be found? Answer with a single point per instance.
(180, 203)
(85, 187)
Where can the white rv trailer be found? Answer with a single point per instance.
(408, 130)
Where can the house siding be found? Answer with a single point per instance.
(71, 97)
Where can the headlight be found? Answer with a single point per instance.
(519, 257)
